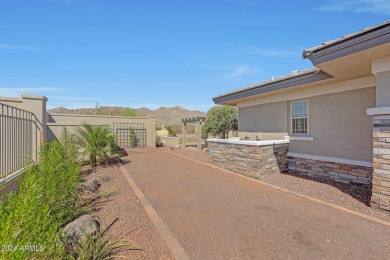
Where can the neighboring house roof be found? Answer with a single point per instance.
(348, 44)
(294, 79)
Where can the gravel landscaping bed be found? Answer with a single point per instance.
(119, 204)
(354, 197)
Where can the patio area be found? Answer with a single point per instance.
(217, 215)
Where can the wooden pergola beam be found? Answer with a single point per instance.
(193, 120)
(189, 120)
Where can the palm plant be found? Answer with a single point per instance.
(97, 142)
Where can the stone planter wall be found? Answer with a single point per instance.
(253, 161)
(339, 172)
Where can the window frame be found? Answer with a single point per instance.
(307, 118)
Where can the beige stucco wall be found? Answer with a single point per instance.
(56, 122)
(383, 86)
(266, 121)
(340, 125)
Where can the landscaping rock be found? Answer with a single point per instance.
(77, 230)
(91, 185)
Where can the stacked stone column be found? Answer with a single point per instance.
(381, 135)
(381, 163)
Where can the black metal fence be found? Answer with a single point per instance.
(122, 133)
(18, 138)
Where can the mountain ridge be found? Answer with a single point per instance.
(164, 115)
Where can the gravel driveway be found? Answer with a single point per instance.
(216, 215)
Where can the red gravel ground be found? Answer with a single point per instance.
(216, 215)
(349, 196)
(133, 223)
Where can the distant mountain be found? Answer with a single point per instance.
(164, 115)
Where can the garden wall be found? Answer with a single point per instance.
(250, 158)
(56, 122)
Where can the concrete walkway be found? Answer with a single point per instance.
(216, 215)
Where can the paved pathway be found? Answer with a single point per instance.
(217, 215)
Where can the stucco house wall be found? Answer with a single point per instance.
(258, 122)
(348, 102)
(339, 125)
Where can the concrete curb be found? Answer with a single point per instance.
(173, 245)
(293, 193)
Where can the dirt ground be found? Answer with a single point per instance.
(131, 222)
(217, 215)
(353, 197)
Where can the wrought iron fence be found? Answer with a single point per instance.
(18, 138)
(122, 134)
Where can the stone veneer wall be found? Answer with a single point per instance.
(339, 172)
(381, 161)
(250, 160)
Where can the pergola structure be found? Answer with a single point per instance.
(198, 129)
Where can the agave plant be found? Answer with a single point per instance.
(97, 142)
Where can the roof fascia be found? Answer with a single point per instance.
(349, 46)
(273, 86)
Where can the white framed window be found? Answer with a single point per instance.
(300, 117)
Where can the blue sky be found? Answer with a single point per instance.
(163, 53)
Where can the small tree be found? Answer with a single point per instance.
(97, 141)
(220, 120)
(132, 137)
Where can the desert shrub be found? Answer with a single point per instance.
(158, 128)
(46, 201)
(132, 137)
(60, 174)
(171, 131)
(102, 247)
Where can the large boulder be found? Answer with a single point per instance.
(91, 185)
(78, 230)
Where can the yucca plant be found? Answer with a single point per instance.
(102, 248)
(97, 142)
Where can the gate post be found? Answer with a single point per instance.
(184, 130)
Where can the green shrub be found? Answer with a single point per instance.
(105, 178)
(60, 174)
(132, 137)
(45, 202)
(171, 131)
(158, 128)
(102, 248)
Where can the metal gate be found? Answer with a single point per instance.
(122, 133)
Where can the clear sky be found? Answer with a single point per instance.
(156, 53)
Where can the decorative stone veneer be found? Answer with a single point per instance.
(253, 161)
(339, 172)
(381, 161)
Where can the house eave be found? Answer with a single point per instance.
(349, 44)
(314, 76)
